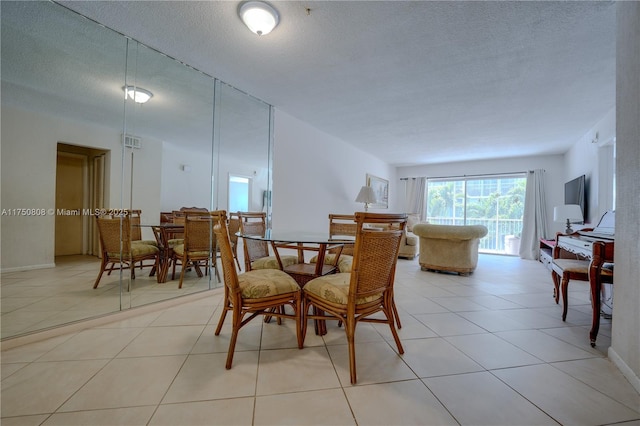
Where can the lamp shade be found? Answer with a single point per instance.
(258, 16)
(567, 212)
(366, 195)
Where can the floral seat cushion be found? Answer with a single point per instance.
(344, 263)
(335, 288)
(138, 250)
(147, 242)
(179, 250)
(260, 283)
(271, 262)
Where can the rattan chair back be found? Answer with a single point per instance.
(134, 221)
(343, 224)
(229, 272)
(115, 236)
(233, 224)
(115, 242)
(375, 254)
(200, 245)
(283, 291)
(370, 282)
(198, 235)
(253, 223)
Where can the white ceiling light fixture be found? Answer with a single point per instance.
(258, 16)
(138, 94)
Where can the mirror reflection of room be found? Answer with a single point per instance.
(77, 141)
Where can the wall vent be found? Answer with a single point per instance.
(131, 141)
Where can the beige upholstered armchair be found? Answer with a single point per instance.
(409, 243)
(449, 247)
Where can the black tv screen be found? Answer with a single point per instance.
(575, 192)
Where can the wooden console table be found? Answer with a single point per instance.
(598, 252)
(546, 252)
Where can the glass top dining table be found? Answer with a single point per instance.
(304, 237)
(163, 233)
(305, 241)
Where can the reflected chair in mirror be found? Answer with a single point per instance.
(177, 217)
(256, 253)
(253, 293)
(136, 235)
(166, 217)
(199, 247)
(175, 237)
(572, 267)
(234, 227)
(136, 229)
(368, 289)
(111, 230)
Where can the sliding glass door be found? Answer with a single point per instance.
(496, 202)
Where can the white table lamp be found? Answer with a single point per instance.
(366, 196)
(571, 213)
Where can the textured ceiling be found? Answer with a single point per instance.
(410, 82)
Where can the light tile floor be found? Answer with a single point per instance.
(38, 299)
(488, 349)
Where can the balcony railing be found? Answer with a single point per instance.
(503, 236)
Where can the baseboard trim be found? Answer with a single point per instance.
(13, 342)
(624, 369)
(27, 268)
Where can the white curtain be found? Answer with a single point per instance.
(414, 196)
(534, 220)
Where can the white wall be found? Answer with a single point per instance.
(625, 337)
(237, 166)
(552, 164)
(193, 188)
(180, 188)
(588, 157)
(315, 174)
(29, 143)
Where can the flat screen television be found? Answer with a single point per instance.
(575, 192)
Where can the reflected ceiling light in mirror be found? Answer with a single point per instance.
(258, 16)
(138, 94)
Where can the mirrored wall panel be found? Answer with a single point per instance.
(77, 141)
(62, 117)
(242, 144)
(167, 165)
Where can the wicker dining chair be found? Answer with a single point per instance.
(234, 227)
(367, 289)
(117, 250)
(253, 293)
(345, 224)
(136, 235)
(256, 253)
(199, 247)
(340, 224)
(136, 229)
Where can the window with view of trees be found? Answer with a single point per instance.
(495, 202)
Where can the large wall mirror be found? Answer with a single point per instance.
(242, 144)
(72, 142)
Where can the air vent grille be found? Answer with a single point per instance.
(131, 141)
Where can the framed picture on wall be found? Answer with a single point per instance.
(381, 189)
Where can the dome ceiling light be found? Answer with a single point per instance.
(138, 94)
(258, 16)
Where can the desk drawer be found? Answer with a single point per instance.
(575, 245)
(546, 258)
